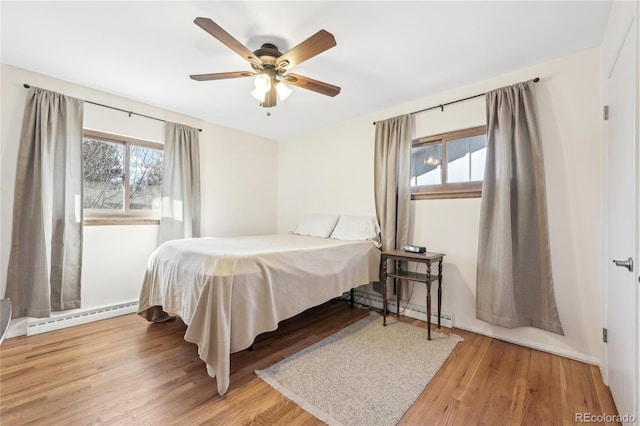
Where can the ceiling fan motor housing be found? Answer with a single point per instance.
(268, 53)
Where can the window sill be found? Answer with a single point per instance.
(446, 195)
(107, 221)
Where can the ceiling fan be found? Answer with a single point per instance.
(270, 66)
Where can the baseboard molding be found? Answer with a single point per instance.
(31, 327)
(535, 345)
(409, 310)
(448, 320)
(64, 320)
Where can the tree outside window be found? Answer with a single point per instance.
(122, 176)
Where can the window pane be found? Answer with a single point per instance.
(145, 178)
(103, 174)
(465, 159)
(426, 168)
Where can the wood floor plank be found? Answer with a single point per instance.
(125, 371)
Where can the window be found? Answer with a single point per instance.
(122, 179)
(449, 165)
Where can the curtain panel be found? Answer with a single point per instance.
(514, 282)
(392, 182)
(180, 207)
(45, 262)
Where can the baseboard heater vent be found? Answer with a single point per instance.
(409, 310)
(61, 321)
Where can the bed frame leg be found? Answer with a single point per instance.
(351, 298)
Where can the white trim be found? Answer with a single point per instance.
(534, 345)
(448, 320)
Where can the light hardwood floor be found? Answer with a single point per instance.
(125, 371)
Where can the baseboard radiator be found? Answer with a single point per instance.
(409, 310)
(58, 322)
(42, 325)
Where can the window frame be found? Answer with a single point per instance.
(126, 216)
(443, 190)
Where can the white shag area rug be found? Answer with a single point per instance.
(365, 374)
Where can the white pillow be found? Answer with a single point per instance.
(357, 228)
(317, 225)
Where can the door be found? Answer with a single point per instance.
(621, 284)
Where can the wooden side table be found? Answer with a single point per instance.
(399, 256)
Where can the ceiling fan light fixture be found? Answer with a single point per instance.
(262, 86)
(283, 91)
(259, 94)
(262, 82)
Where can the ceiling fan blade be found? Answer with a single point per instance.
(270, 98)
(221, 75)
(311, 84)
(227, 39)
(314, 45)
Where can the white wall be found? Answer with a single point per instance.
(238, 183)
(331, 171)
(249, 184)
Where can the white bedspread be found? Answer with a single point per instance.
(229, 290)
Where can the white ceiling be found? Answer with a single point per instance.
(387, 53)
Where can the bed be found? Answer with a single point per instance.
(229, 290)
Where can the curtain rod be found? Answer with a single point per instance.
(441, 106)
(26, 86)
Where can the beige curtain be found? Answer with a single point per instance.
(45, 262)
(180, 208)
(514, 281)
(392, 180)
